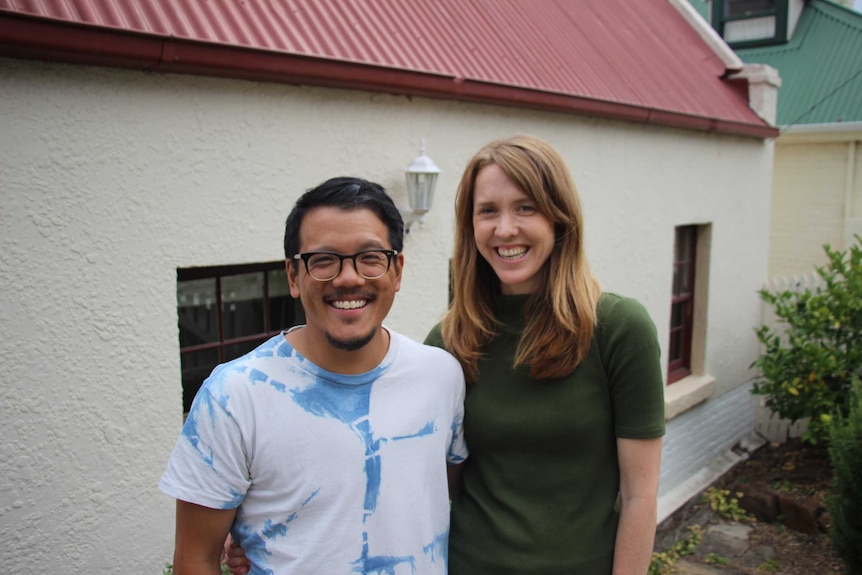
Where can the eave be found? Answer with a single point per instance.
(46, 39)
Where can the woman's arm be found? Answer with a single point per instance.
(640, 462)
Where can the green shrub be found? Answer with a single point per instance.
(845, 501)
(807, 365)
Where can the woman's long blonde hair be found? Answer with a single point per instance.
(561, 315)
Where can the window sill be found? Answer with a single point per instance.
(686, 393)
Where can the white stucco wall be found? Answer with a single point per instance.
(110, 180)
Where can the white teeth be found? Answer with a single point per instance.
(512, 252)
(356, 304)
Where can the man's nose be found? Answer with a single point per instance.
(348, 273)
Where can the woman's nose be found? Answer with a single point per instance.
(507, 226)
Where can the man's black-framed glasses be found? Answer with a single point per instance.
(325, 266)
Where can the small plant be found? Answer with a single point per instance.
(726, 506)
(807, 366)
(662, 563)
(845, 501)
(716, 559)
(771, 566)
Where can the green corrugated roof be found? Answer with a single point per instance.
(702, 7)
(820, 68)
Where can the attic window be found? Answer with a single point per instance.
(750, 23)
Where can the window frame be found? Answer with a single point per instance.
(222, 343)
(780, 11)
(681, 366)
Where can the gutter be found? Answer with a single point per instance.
(821, 133)
(27, 37)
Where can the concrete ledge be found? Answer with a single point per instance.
(684, 394)
(681, 494)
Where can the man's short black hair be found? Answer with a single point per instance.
(347, 194)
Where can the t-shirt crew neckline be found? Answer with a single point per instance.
(285, 349)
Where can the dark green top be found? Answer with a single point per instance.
(542, 480)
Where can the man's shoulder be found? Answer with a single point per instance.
(253, 366)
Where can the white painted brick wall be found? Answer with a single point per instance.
(704, 433)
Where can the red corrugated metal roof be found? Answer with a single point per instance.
(637, 60)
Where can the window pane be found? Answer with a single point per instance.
(742, 7)
(198, 320)
(235, 350)
(677, 314)
(196, 367)
(280, 303)
(242, 304)
(676, 348)
(684, 278)
(684, 243)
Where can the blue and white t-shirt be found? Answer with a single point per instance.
(331, 474)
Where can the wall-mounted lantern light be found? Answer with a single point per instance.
(421, 177)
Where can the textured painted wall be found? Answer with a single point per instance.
(110, 180)
(811, 204)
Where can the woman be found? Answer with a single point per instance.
(565, 411)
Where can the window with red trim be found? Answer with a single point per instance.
(682, 303)
(224, 312)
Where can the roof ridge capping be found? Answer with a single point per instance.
(763, 81)
(732, 62)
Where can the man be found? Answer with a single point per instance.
(324, 450)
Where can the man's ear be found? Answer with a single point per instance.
(399, 269)
(292, 277)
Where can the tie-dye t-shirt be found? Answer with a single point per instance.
(335, 474)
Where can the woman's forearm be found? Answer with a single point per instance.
(635, 536)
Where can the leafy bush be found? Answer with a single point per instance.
(807, 365)
(845, 501)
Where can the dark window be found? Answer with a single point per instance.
(682, 303)
(748, 7)
(772, 30)
(225, 312)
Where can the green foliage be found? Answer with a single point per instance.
(806, 368)
(845, 501)
(662, 563)
(715, 559)
(726, 506)
(771, 566)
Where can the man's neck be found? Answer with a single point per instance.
(325, 355)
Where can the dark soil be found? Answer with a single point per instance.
(798, 473)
